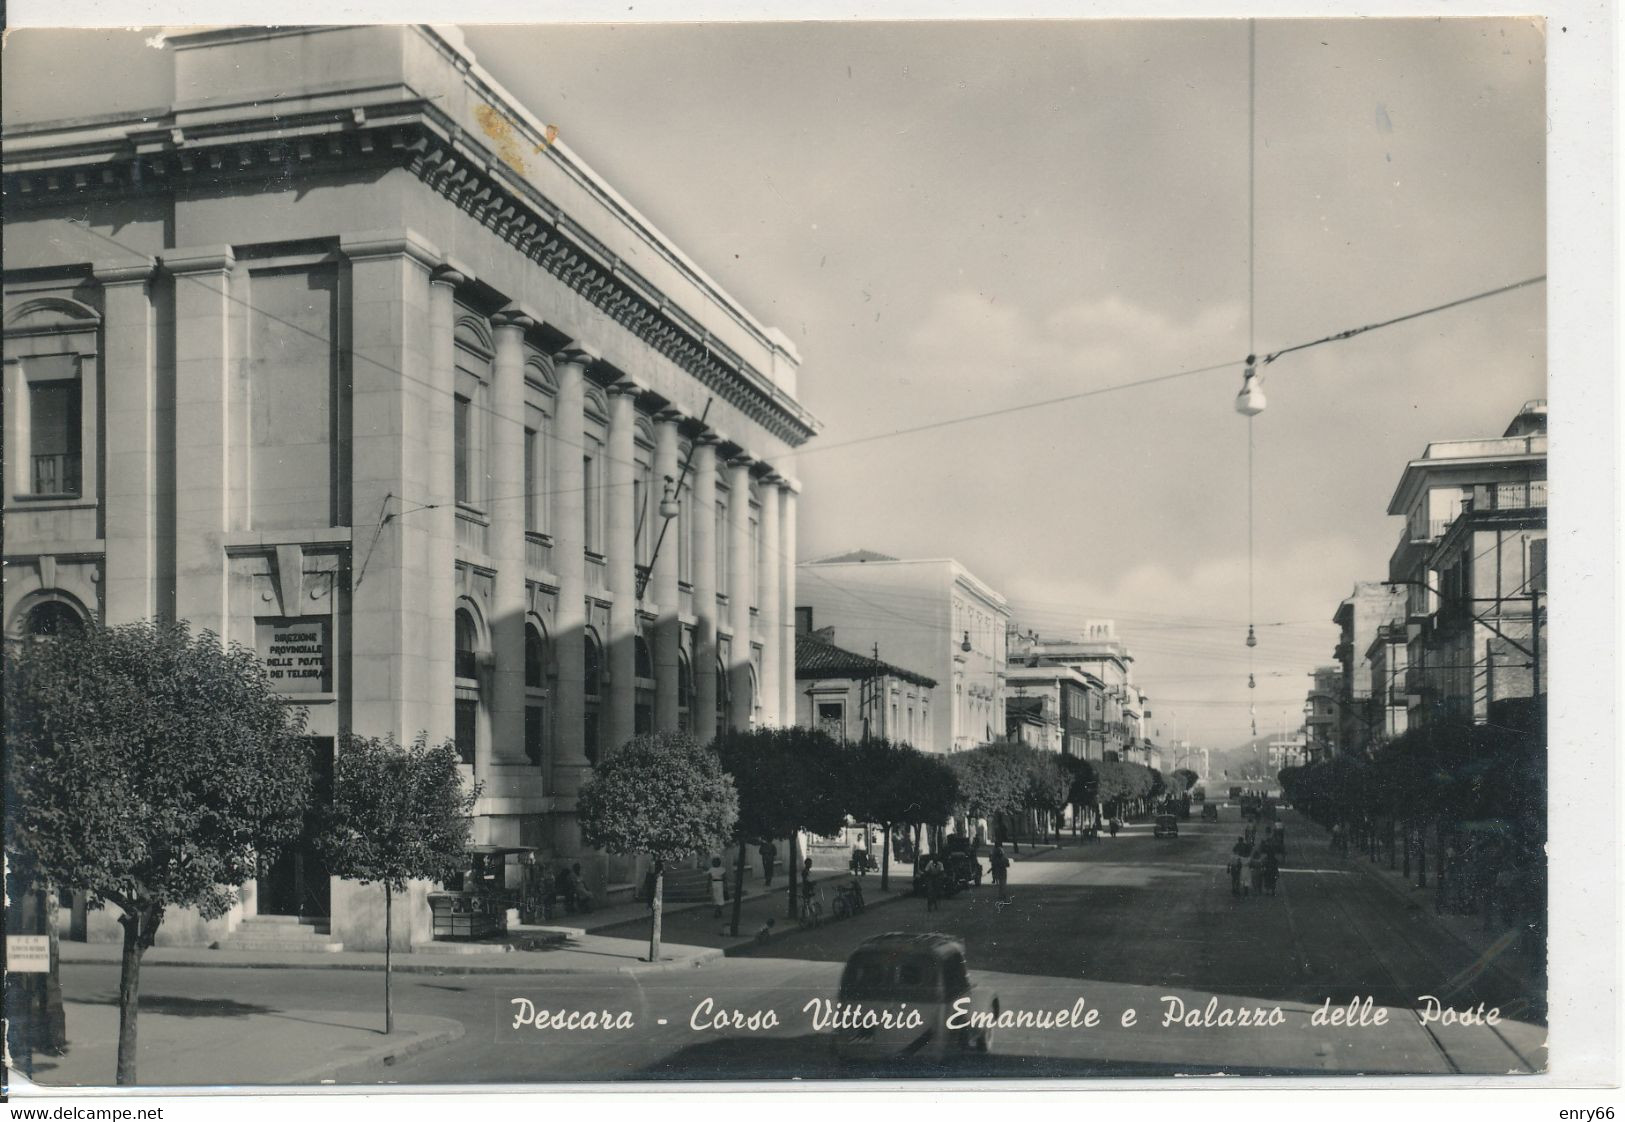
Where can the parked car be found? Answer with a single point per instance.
(928, 973)
(1210, 812)
(1167, 827)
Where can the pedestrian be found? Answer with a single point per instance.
(1272, 870)
(933, 882)
(1111, 826)
(767, 851)
(718, 876)
(1255, 872)
(806, 875)
(1238, 857)
(1001, 871)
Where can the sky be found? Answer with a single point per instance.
(951, 219)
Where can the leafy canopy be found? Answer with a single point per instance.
(398, 813)
(897, 783)
(663, 794)
(788, 779)
(148, 767)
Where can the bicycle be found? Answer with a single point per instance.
(812, 907)
(848, 901)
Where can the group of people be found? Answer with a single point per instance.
(542, 889)
(1259, 858)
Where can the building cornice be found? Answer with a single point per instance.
(156, 155)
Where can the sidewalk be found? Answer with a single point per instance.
(231, 1043)
(1494, 949)
(580, 953)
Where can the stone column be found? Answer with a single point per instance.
(202, 446)
(787, 612)
(505, 467)
(620, 575)
(703, 511)
(741, 581)
(439, 525)
(663, 580)
(767, 610)
(130, 435)
(570, 766)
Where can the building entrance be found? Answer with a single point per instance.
(296, 882)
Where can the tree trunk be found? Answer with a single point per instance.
(389, 946)
(656, 911)
(137, 938)
(885, 858)
(795, 874)
(739, 890)
(53, 1034)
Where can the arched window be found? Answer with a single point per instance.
(467, 640)
(592, 686)
(53, 618)
(685, 693)
(535, 695)
(466, 695)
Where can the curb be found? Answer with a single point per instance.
(748, 944)
(388, 1053)
(688, 962)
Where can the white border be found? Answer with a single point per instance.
(1585, 423)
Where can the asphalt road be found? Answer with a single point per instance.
(1127, 923)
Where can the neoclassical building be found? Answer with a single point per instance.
(332, 349)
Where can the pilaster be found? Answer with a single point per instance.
(741, 578)
(787, 491)
(439, 524)
(570, 765)
(400, 682)
(506, 506)
(704, 513)
(130, 435)
(202, 447)
(663, 580)
(767, 611)
(621, 562)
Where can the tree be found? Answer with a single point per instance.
(148, 768)
(1084, 788)
(992, 780)
(665, 795)
(1048, 783)
(789, 779)
(896, 783)
(398, 814)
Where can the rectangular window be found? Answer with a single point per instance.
(532, 521)
(54, 436)
(722, 549)
(533, 734)
(461, 450)
(755, 562)
(467, 719)
(832, 719)
(590, 505)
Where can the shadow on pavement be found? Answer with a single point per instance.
(191, 1006)
(810, 1056)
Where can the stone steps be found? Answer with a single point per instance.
(281, 933)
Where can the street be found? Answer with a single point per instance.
(1127, 923)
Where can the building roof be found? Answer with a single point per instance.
(1024, 706)
(850, 556)
(819, 658)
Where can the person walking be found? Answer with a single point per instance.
(1112, 826)
(1255, 871)
(767, 851)
(1272, 870)
(933, 882)
(718, 876)
(1238, 857)
(1001, 871)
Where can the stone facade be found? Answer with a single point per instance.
(340, 356)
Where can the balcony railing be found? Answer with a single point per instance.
(56, 474)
